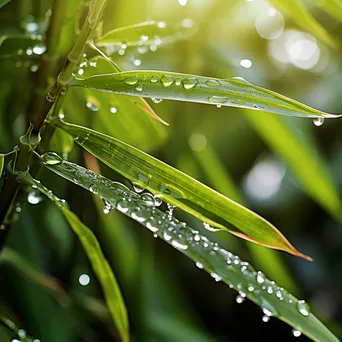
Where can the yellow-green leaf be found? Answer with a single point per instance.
(179, 189)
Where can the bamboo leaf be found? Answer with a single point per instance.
(233, 92)
(4, 2)
(266, 259)
(98, 261)
(21, 46)
(301, 158)
(148, 33)
(296, 10)
(179, 189)
(2, 161)
(332, 7)
(221, 264)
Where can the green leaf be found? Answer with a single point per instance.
(179, 189)
(17, 261)
(98, 261)
(233, 92)
(21, 46)
(308, 167)
(4, 2)
(266, 259)
(332, 7)
(148, 33)
(114, 114)
(2, 161)
(221, 264)
(303, 18)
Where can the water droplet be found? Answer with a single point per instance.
(93, 189)
(296, 333)
(155, 100)
(166, 236)
(250, 288)
(51, 158)
(34, 68)
(80, 71)
(122, 206)
(268, 309)
(93, 104)
(155, 235)
(266, 318)
(260, 278)
(197, 237)
(107, 207)
(199, 265)
(161, 24)
(139, 87)
(151, 226)
(318, 121)
(246, 63)
(131, 80)
(137, 62)
(216, 277)
(84, 279)
(137, 215)
(166, 80)
(34, 197)
(157, 201)
(21, 333)
(39, 49)
(217, 99)
(189, 83)
(179, 245)
(144, 38)
(29, 51)
(148, 199)
(218, 105)
(303, 307)
(137, 188)
(113, 110)
(208, 227)
(239, 299)
(182, 2)
(212, 83)
(269, 290)
(154, 79)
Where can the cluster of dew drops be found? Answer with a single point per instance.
(21, 334)
(172, 233)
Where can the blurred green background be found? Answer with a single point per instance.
(229, 149)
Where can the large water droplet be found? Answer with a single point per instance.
(154, 79)
(208, 227)
(139, 87)
(179, 245)
(260, 278)
(212, 83)
(157, 201)
(131, 80)
(51, 158)
(138, 215)
(34, 197)
(318, 121)
(39, 49)
(123, 206)
(296, 333)
(93, 189)
(113, 110)
(167, 236)
(217, 99)
(107, 207)
(138, 188)
(166, 80)
(151, 226)
(199, 265)
(148, 199)
(303, 307)
(189, 83)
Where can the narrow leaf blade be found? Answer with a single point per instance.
(2, 161)
(233, 92)
(98, 261)
(179, 189)
(148, 33)
(4, 2)
(306, 165)
(221, 264)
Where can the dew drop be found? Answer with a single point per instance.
(21, 333)
(137, 188)
(296, 333)
(166, 80)
(266, 318)
(137, 215)
(122, 206)
(189, 83)
(151, 227)
(260, 278)
(157, 201)
(51, 158)
(113, 110)
(84, 279)
(166, 236)
(137, 62)
(39, 49)
(199, 265)
(107, 207)
(217, 99)
(155, 100)
(155, 235)
(131, 80)
(179, 245)
(148, 199)
(139, 87)
(178, 82)
(34, 197)
(318, 121)
(239, 299)
(154, 79)
(208, 227)
(216, 277)
(303, 307)
(93, 189)
(212, 83)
